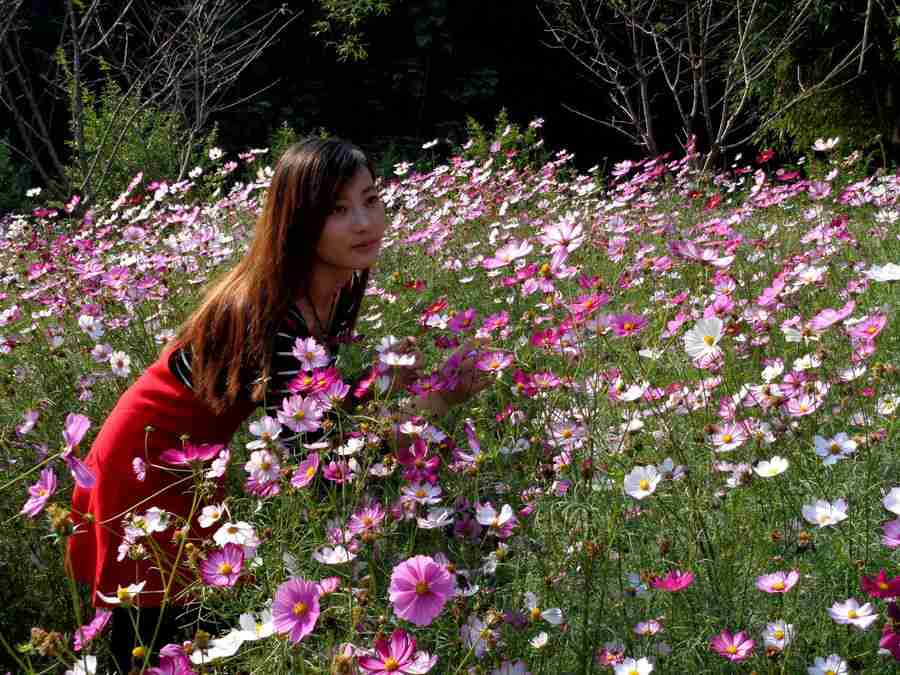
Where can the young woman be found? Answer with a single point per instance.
(304, 274)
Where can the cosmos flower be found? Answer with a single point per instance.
(40, 493)
(850, 612)
(419, 589)
(190, 454)
(397, 655)
(295, 609)
(880, 586)
(222, 568)
(702, 341)
(306, 471)
(633, 667)
(641, 481)
(674, 581)
(832, 450)
(768, 468)
(778, 635)
(624, 325)
(832, 665)
(737, 647)
(823, 513)
(778, 582)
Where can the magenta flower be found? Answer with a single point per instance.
(296, 608)
(75, 429)
(419, 589)
(419, 467)
(880, 586)
(40, 492)
(190, 454)
(624, 325)
(222, 567)
(398, 655)
(735, 647)
(674, 581)
(306, 471)
(869, 328)
(89, 631)
(777, 582)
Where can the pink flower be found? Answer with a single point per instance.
(367, 519)
(339, 472)
(190, 454)
(493, 362)
(462, 321)
(673, 581)
(75, 429)
(869, 328)
(891, 537)
(419, 589)
(624, 325)
(89, 631)
(777, 582)
(301, 414)
(139, 466)
(733, 647)
(306, 471)
(296, 608)
(222, 567)
(40, 492)
(397, 656)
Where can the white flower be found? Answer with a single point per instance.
(552, 616)
(540, 640)
(123, 596)
(239, 533)
(121, 363)
(806, 362)
(832, 450)
(438, 517)
(850, 612)
(215, 153)
(210, 515)
(821, 145)
(888, 272)
(256, 626)
(771, 467)
(773, 370)
(702, 341)
(778, 635)
(263, 466)
(333, 556)
(823, 514)
(634, 667)
(87, 665)
(219, 648)
(641, 481)
(310, 353)
(891, 501)
(833, 665)
(512, 668)
(35, 192)
(267, 429)
(91, 325)
(476, 635)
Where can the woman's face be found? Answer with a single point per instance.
(351, 239)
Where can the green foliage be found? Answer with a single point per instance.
(285, 136)
(14, 179)
(341, 25)
(124, 135)
(523, 147)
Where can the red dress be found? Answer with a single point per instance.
(160, 400)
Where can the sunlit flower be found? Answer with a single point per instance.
(778, 635)
(633, 667)
(824, 514)
(419, 589)
(833, 665)
(778, 582)
(552, 616)
(40, 493)
(397, 655)
(768, 468)
(850, 612)
(673, 581)
(295, 609)
(641, 481)
(702, 341)
(832, 450)
(222, 567)
(737, 647)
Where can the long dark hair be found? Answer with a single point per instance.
(231, 332)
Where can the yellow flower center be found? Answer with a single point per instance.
(123, 595)
(708, 340)
(852, 614)
(567, 433)
(778, 635)
(731, 649)
(421, 588)
(830, 672)
(299, 609)
(265, 466)
(310, 471)
(644, 484)
(803, 407)
(882, 585)
(835, 449)
(535, 614)
(300, 414)
(138, 652)
(225, 568)
(727, 438)
(628, 325)
(420, 493)
(633, 672)
(391, 664)
(495, 364)
(871, 329)
(778, 586)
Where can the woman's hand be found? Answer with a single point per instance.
(468, 379)
(404, 375)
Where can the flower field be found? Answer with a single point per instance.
(687, 463)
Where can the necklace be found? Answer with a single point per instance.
(323, 334)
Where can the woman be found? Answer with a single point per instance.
(304, 274)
